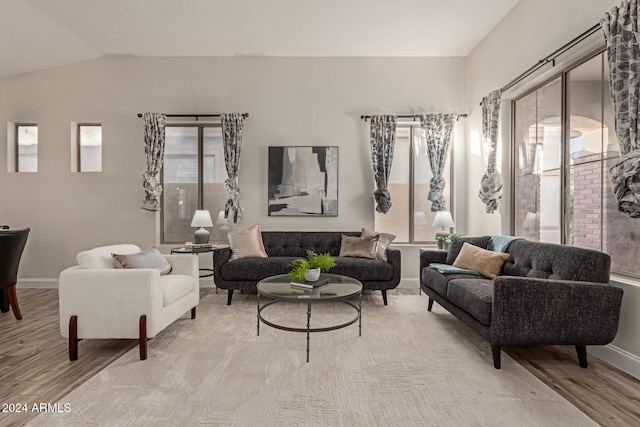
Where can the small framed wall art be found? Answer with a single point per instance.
(303, 181)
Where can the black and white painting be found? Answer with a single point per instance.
(303, 181)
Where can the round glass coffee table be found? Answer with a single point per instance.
(339, 289)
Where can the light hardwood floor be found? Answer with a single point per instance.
(35, 368)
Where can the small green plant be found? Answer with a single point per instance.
(299, 266)
(447, 239)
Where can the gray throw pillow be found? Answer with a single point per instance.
(384, 240)
(151, 258)
(457, 242)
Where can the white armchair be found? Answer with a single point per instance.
(98, 300)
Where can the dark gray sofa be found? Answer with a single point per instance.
(546, 294)
(282, 247)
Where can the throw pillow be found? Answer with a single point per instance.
(487, 263)
(457, 242)
(384, 240)
(151, 258)
(247, 243)
(361, 247)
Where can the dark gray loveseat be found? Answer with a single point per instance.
(546, 294)
(282, 247)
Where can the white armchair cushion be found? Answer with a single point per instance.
(101, 257)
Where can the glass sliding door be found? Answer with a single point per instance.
(564, 145)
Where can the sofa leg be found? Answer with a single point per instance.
(229, 296)
(73, 338)
(143, 337)
(495, 351)
(582, 355)
(430, 304)
(193, 313)
(384, 296)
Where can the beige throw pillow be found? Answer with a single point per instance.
(384, 240)
(487, 263)
(361, 247)
(247, 243)
(151, 258)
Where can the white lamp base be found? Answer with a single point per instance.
(201, 236)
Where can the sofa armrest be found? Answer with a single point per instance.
(221, 256)
(427, 256)
(394, 257)
(548, 311)
(108, 296)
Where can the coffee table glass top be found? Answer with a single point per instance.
(339, 287)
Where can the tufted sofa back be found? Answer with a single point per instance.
(296, 243)
(552, 261)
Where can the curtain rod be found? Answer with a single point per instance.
(406, 116)
(244, 115)
(551, 57)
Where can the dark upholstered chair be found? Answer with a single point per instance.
(12, 242)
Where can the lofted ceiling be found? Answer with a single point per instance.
(38, 34)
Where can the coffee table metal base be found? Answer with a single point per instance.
(309, 329)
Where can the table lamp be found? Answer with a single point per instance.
(201, 218)
(443, 219)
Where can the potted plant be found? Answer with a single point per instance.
(309, 268)
(445, 241)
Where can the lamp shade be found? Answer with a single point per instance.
(201, 218)
(530, 220)
(443, 219)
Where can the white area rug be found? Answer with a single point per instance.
(409, 368)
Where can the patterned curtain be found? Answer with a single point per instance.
(491, 183)
(154, 150)
(383, 140)
(232, 126)
(621, 31)
(437, 131)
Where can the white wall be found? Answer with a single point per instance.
(531, 31)
(291, 101)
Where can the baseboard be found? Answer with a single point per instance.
(621, 359)
(37, 284)
(409, 283)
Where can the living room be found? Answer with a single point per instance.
(312, 99)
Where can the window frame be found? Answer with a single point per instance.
(412, 126)
(17, 144)
(79, 146)
(565, 158)
(200, 192)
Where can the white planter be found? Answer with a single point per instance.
(312, 274)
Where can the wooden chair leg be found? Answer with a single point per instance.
(73, 338)
(143, 337)
(13, 302)
(384, 296)
(193, 313)
(229, 296)
(430, 304)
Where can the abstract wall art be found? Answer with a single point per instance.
(303, 181)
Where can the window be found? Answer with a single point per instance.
(26, 147)
(564, 146)
(89, 148)
(410, 216)
(193, 178)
